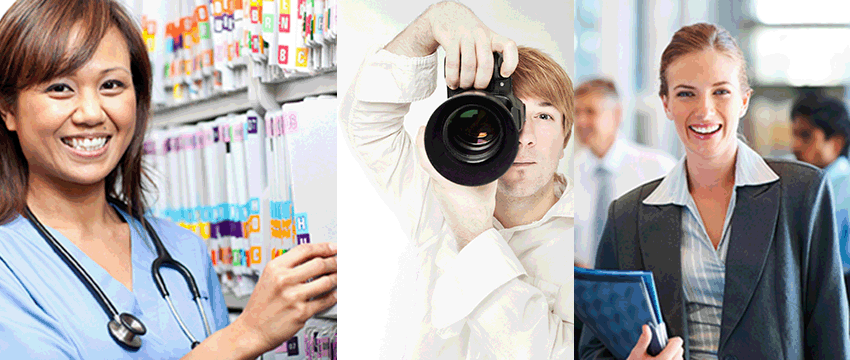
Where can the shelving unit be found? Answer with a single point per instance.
(258, 96)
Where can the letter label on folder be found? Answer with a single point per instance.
(282, 54)
(301, 224)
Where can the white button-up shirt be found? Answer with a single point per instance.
(631, 164)
(509, 293)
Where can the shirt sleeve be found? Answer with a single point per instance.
(484, 289)
(372, 118)
(219, 307)
(26, 330)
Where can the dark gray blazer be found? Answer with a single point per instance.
(784, 296)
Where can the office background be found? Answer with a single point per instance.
(791, 47)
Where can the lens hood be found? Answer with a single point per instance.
(472, 138)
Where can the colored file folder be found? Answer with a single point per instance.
(614, 304)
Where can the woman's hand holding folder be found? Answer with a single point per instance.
(673, 351)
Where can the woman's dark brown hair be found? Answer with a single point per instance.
(36, 45)
(700, 37)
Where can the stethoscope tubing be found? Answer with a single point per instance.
(84, 276)
(163, 259)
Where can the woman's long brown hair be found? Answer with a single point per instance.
(36, 45)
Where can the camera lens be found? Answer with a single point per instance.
(472, 133)
(472, 138)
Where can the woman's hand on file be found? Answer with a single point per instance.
(292, 288)
(467, 209)
(673, 351)
(469, 44)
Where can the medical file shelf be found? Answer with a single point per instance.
(202, 49)
(252, 184)
(257, 96)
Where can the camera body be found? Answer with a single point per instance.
(473, 137)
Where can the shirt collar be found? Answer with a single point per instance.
(838, 167)
(611, 161)
(750, 169)
(564, 207)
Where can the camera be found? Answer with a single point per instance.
(473, 137)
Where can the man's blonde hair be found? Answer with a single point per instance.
(538, 75)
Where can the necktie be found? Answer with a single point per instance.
(604, 196)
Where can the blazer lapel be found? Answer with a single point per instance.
(660, 231)
(753, 226)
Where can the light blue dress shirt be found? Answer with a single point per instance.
(839, 177)
(48, 313)
(703, 267)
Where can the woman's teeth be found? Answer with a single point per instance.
(86, 144)
(705, 130)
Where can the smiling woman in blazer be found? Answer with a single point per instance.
(743, 249)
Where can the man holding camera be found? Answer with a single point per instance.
(494, 260)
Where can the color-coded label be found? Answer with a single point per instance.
(283, 25)
(252, 226)
(281, 229)
(301, 57)
(238, 132)
(292, 347)
(218, 24)
(251, 128)
(255, 44)
(283, 54)
(204, 230)
(302, 9)
(301, 226)
(256, 255)
(218, 7)
(186, 29)
(290, 123)
(302, 239)
(278, 252)
(268, 22)
(255, 13)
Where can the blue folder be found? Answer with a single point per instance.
(614, 304)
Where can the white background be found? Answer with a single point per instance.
(375, 270)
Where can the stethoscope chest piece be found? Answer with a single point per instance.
(126, 330)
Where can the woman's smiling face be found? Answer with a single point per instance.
(705, 101)
(76, 128)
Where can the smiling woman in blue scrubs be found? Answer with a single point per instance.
(75, 85)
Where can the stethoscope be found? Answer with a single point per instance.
(125, 328)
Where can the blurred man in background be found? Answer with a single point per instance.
(608, 166)
(821, 128)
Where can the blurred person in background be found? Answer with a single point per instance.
(608, 165)
(820, 126)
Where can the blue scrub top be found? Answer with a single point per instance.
(48, 313)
